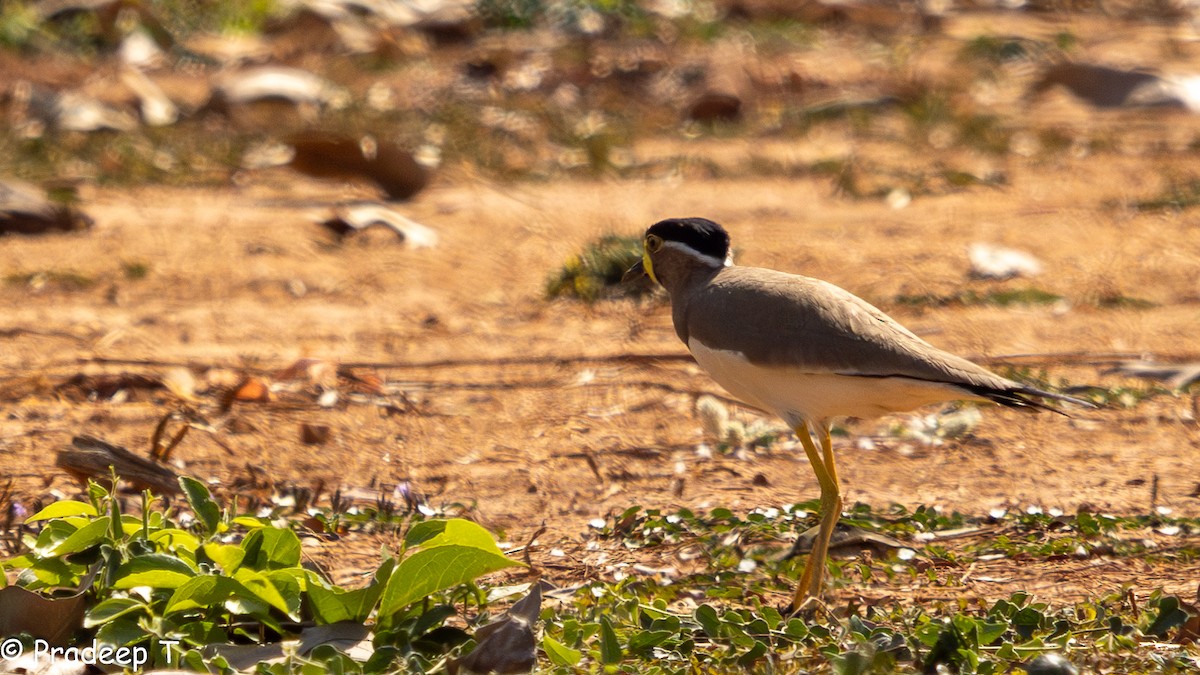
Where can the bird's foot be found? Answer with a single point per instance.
(809, 607)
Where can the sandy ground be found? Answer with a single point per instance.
(531, 411)
(535, 413)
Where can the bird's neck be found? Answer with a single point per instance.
(679, 278)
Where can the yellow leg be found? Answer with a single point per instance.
(812, 579)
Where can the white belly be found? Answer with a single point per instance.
(799, 396)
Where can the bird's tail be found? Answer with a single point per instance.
(1026, 397)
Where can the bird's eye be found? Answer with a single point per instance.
(653, 243)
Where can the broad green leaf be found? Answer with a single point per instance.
(706, 616)
(66, 507)
(201, 633)
(331, 605)
(756, 652)
(771, 616)
(851, 663)
(437, 569)
(560, 654)
(52, 535)
(174, 539)
(201, 591)
(291, 577)
(202, 503)
(989, 632)
(228, 556)
(131, 525)
(111, 609)
(261, 587)
(645, 640)
(51, 573)
(610, 647)
(454, 531)
(84, 538)
(423, 531)
(243, 602)
(271, 548)
(121, 632)
(1170, 615)
(156, 570)
(250, 522)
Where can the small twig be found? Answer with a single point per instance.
(528, 561)
(13, 332)
(969, 572)
(1077, 358)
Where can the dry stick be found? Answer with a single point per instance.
(14, 332)
(540, 531)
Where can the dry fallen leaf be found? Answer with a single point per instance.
(507, 645)
(25, 209)
(353, 218)
(253, 389)
(51, 619)
(325, 155)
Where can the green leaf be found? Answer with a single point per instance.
(97, 493)
(261, 587)
(437, 569)
(756, 652)
(423, 531)
(610, 647)
(174, 539)
(331, 605)
(156, 570)
(111, 609)
(851, 663)
(250, 523)
(989, 632)
(560, 654)
(84, 538)
(228, 556)
(645, 640)
(202, 503)
(121, 633)
(66, 507)
(1169, 616)
(772, 617)
(201, 591)
(130, 525)
(53, 533)
(271, 548)
(707, 617)
(52, 573)
(433, 533)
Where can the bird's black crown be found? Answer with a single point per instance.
(699, 234)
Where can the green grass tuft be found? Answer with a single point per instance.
(971, 298)
(64, 280)
(595, 273)
(1178, 196)
(135, 269)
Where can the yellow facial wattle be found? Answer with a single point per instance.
(648, 265)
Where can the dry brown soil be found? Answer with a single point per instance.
(530, 411)
(527, 431)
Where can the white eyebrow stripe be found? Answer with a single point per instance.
(711, 261)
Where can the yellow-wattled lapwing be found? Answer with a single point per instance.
(807, 351)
